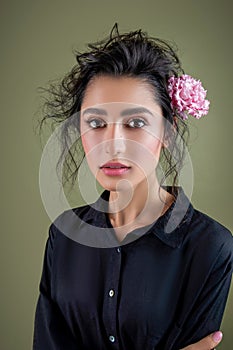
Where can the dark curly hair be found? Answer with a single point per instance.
(132, 54)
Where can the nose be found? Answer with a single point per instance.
(115, 140)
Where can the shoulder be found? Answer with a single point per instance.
(209, 226)
(68, 221)
(209, 237)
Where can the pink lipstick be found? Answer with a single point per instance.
(114, 168)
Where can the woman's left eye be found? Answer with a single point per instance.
(136, 123)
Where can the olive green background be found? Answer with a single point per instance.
(37, 39)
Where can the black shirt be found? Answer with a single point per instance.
(163, 287)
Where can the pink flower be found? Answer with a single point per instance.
(188, 96)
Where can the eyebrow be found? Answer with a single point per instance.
(98, 111)
(136, 110)
(128, 111)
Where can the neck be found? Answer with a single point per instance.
(137, 206)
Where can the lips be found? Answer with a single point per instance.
(114, 168)
(114, 165)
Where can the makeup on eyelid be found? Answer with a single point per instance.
(96, 123)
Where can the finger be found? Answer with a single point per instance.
(207, 343)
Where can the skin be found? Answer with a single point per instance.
(109, 133)
(207, 343)
(134, 139)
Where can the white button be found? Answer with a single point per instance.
(118, 250)
(111, 338)
(111, 293)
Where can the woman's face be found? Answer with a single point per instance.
(121, 130)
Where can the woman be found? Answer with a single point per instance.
(140, 268)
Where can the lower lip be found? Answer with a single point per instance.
(115, 171)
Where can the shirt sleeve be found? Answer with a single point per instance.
(51, 331)
(204, 315)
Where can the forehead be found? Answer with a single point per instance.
(128, 90)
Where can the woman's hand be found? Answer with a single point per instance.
(207, 343)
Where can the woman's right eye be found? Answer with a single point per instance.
(96, 123)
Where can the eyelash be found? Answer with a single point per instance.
(103, 123)
(94, 120)
(138, 120)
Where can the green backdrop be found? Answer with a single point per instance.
(37, 39)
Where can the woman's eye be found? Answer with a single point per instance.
(96, 123)
(136, 123)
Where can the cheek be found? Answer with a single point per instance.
(92, 147)
(89, 141)
(88, 147)
(154, 146)
(85, 143)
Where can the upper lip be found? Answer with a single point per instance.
(114, 165)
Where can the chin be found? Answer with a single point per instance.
(120, 184)
(114, 187)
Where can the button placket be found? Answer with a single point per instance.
(110, 301)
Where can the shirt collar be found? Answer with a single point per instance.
(170, 228)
